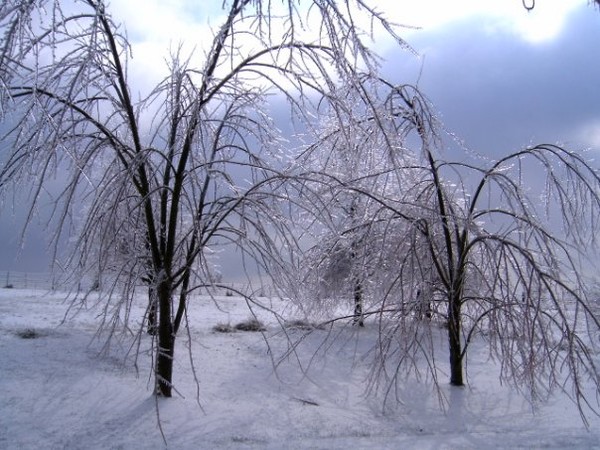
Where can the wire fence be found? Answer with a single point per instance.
(26, 280)
(46, 281)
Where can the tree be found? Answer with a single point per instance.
(190, 165)
(358, 245)
(344, 226)
(508, 272)
(505, 269)
(499, 264)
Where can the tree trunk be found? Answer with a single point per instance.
(152, 306)
(454, 332)
(358, 303)
(166, 341)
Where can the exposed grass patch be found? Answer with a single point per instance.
(29, 333)
(223, 328)
(250, 325)
(247, 325)
(299, 324)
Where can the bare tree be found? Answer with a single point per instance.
(190, 165)
(494, 257)
(357, 161)
(509, 263)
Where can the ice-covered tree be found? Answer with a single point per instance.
(190, 163)
(508, 256)
(358, 165)
(495, 256)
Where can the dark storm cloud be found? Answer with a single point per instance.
(499, 92)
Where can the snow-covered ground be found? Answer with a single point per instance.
(56, 392)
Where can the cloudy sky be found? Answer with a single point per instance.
(507, 78)
(500, 77)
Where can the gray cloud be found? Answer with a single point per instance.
(499, 93)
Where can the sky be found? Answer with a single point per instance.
(499, 77)
(504, 79)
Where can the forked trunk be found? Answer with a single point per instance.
(166, 341)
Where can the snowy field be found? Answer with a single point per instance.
(58, 392)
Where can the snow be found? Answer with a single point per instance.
(59, 390)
